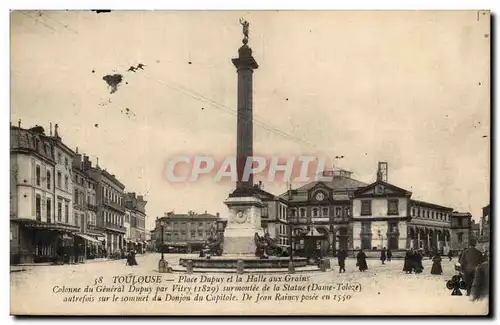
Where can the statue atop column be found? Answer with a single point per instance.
(245, 25)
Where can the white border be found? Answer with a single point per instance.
(493, 5)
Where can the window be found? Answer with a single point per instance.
(366, 242)
(294, 212)
(302, 212)
(428, 213)
(347, 211)
(76, 219)
(59, 179)
(315, 212)
(392, 207)
(66, 213)
(66, 182)
(325, 212)
(366, 207)
(460, 237)
(66, 161)
(418, 212)
(432, 214)
(265, 212)
(49, 210)
(338, 211)
(59, 211)
(49, 180)
(59, 158)
(37, 173)
(366, 227)
(76, 196)
(38, 207)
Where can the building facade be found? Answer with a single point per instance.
(39, 200)
(460, 227)
(184, 232)
(484, 230)
(110, 209)
(85, 208)
(136, 211)
(344, 213)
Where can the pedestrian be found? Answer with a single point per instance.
(436, 264)
(469, 260)
(131, 261)
(341, 257)
(408, 266)
(361, 261)
(417, 262)
(389, 255)
(383, 255)
(481, 284)
(450, 254)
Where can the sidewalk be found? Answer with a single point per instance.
(27, 266)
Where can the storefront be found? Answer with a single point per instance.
(39, 242)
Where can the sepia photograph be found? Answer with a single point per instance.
(259, 162)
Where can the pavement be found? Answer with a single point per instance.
(386, 289)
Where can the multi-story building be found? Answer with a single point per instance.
(136, 208)
(84, 205)
(110, 210)
(34, 231)
(319, 214)
(344, 213)
(63, 183)
(460, 228)
(184, 232)
(484, 229)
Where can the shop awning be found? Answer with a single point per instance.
(92, 239)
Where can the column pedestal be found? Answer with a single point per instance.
(244, 220)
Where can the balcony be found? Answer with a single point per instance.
(92, 207)
(114, 227)
(113, 205)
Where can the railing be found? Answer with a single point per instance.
(114, 226)
(92, 207)
(114, 205)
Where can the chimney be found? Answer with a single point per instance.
(77, 161)
(76, 150)
(19, 123)
(50, 131)
(97, 163)
(217, 215)
(205, 211)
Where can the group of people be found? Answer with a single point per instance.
(413, 262)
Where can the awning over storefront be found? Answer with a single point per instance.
(91, 239)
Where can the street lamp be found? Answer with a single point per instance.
(162, 264)
(162, 227)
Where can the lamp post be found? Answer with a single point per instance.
(162, 264)
(162, 227)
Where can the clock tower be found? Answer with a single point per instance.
(244, 204)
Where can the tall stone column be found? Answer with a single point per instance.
(245, 64)
(245, 207)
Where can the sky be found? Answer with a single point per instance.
(410, 88)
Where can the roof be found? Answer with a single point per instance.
(431, 205)
(338, 183)
(186, 216)
(461, 214)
